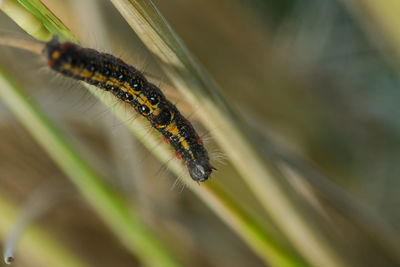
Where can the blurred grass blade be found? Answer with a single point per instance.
(130, 230)
(49, 20)
(226, 209)
(26, 20)
(194, 83)
(248, 230)
(36, 246)
(380, 21)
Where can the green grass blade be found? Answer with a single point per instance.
(128, 227)
(49, 20)
(26, 20)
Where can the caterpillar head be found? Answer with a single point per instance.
(200, 170)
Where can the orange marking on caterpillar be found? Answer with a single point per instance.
(199, 140)
(186, 121)
(178, 156)
(166, 140)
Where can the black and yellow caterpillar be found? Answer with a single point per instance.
(124, 81)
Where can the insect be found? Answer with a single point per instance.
(111, 74)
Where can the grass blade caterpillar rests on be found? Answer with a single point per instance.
(128, 84)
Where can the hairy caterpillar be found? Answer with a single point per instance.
(128, 84)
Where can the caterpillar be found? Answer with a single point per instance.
(111, 74)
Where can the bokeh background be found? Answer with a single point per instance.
(314, 82)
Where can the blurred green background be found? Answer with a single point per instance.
(315, 84)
